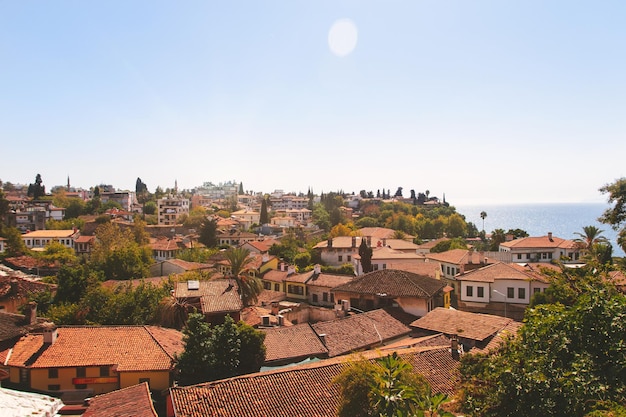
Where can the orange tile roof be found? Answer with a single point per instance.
(113, 283)
(130, 348)
(430, 269)
(171, 340)
(500, 270)
(13, 325)
(459, 257)
(359, 331)
(377, 232)
(328, 280)
(133, 401)
(15, 287)
(85, 239)
(467, 325)
(510, 330)
(275, 275)
(52, 234)
(269, 296)
(306, 390)
(165, 244)
(285, 344)
(540, 242)
(216, 295)
(393, 283)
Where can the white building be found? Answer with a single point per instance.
(170, 208)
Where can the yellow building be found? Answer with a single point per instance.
(93, 360)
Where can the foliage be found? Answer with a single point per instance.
(249, 287)
(264, 216)
(590, 236)
(73, 282)
(14, 244)
(446, 245)
(4, 207)
(354, 384)
(118, 255)
(365, 252)
(223, 351)
(201, 255)
(36, 190)
(302, 260)
(55, 251)
(565, 359)
(342, 230)
(616, 216)
(150, 208)
(66, 224)
(208, 232)
(173, 312)
(320, 216)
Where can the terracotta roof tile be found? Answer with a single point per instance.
(328, 280)
(15, 325)
(393, 283)
(359, 331)
(500, 270)
(292, 343)
(133, 401)
(131, 348)
(216, 296)
(538, 242)
(171, 340)
(15, 287)
(460, 257)
(467, 325)
(429, 269)
(306, 390)
(510, 330)
(267, 297)
(275, 275)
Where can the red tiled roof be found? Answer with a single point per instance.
(328, 280)
(269, 296)
(359, 331)
(306, 390)
(171, 340)
(15, 325)
(189, 266)
(15, 287)
(216, 296)
(133, 401)
(156, 281)
(275, 275)
(131, 348)
(500, 270)
(539, 242)
(510, 330)
(85, 239)
(252, 316)
(429, 269)
(165, 244)
(393, 283)
(292, 343)
(467, 325)
(459, 257)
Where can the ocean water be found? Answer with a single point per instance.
(563, 220)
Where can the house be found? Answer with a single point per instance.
(301, 215)
(472, 330)
(426, 247)
(319, 286)
(284, 345)
(342, 249)
(415, 294)
(83, 245)
(274, 280)
(170, 209)
(3, 244)
(359, 332)
(542, 249)
(177, 266)
(76, 361)
(246, 218)
(215, 298)
(163, 248)
(135, 401)
(126, 199)
(235, 237)
(258, 246)
(19, 403)
(304, 390)
(493, 288)
(384, 256)
(38, 239)
(15, 291)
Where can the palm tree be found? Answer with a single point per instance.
(249, 287)
(483, 214)
(173, 312)
(590, 236)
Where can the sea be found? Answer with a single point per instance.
(562, 219)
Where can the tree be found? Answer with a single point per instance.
(118, 255)
(4, 208)
(241, 188)
(590, 236)
(365, 252)
(249, 287)
(566, 359)
(55, 251)
(483, 215)
(220, 352)
(398, 192)
(616, 215)
(497, 236)
(36, 190)
(208, 232)
(15, 245)
(264, 219)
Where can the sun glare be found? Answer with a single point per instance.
(342, 37)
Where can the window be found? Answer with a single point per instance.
(375, 267)
(104, 371)
(80, 386)
(510, 292)
(480, 292)
(267, 285)
(81, 372)
(469, 291)
(315, 298)
(384, 266)
(348, 258)
(325, 296)
(519, 256)
(54, 387)
(53, 373)
(536, 290)
(521, 293)
(340, 258)
(332, 297)
(276, 287)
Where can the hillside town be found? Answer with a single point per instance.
(217, 301)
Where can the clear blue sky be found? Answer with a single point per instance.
(485, 101)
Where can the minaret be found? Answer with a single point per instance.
(68, 183)
(176, 187)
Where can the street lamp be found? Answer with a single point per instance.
(498, 292)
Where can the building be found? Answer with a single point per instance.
(133, 401)
(216, 298)
(87, 360)
(170, 209)
(414, 294)
(342, 249)
(542, 249)
(40, 238)
(246, 218)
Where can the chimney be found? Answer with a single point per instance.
(354, 241)
(32, 318)
(291, 270)
(317, 269)
(550, 237)
(281, 320)
(454, 347)
(282, 266)
(384, 241)
(330, 243)
(322, 337)
(50, 334)
(369, 241)
(265, 257)
(275, 309)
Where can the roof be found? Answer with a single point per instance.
(252, 316)
(15, 325)
(275, 275)
(430, 269)
(431, 244)
(306, 390)
(19, 403)
(359, 331)
(85, 239)
(377, 232)
(460, 257)
(15, 287)
(540, 242)
(328, 280)
(171, 340)
(133, 401)
(393, 283)
(130, 348)
(134, 283)
(50, 234)
(467, 325)
(292, 343)
(497, 271)
(269, 296)
(165, 244)
(510, 330)
(386, 252)
(216, 296)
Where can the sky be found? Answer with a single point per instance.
(483, 102)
